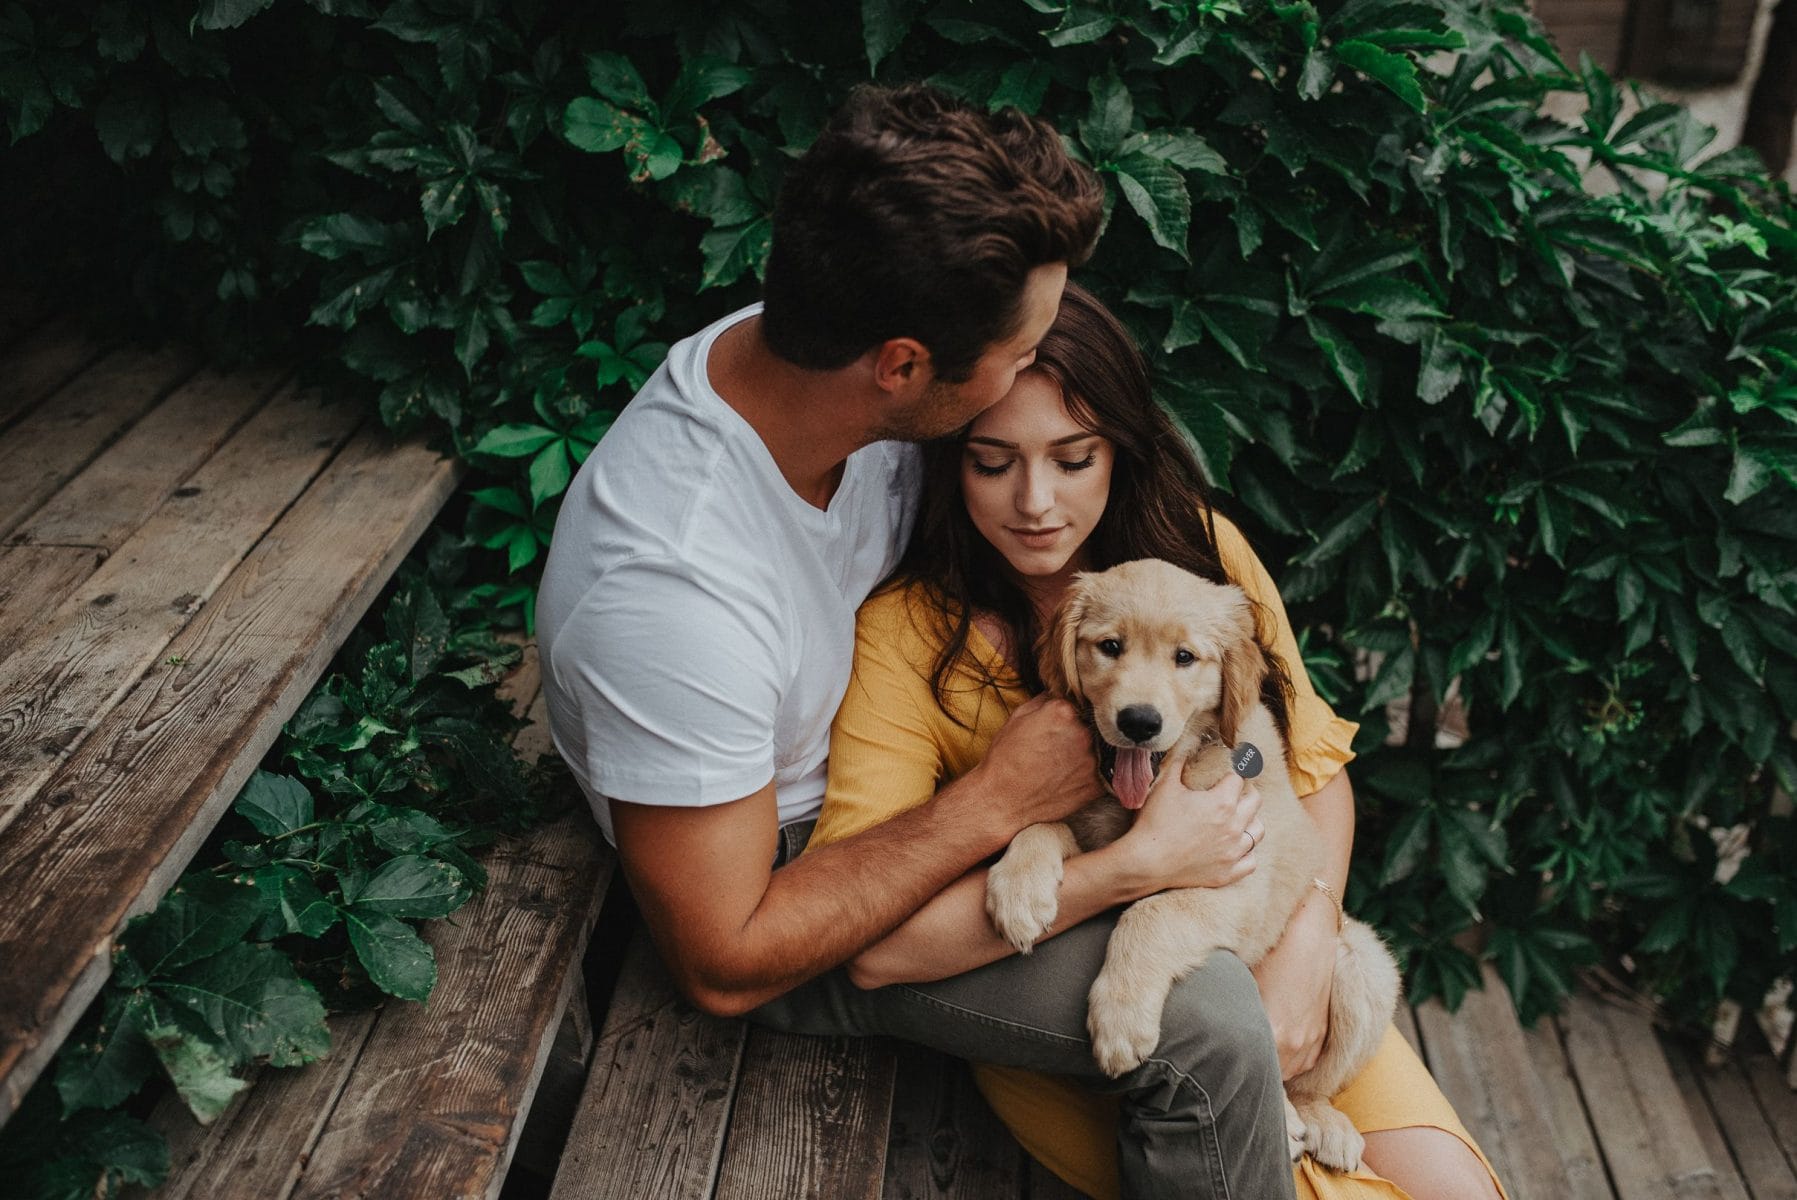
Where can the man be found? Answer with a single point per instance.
(696, 623)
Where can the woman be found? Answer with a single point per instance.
(1078, 469)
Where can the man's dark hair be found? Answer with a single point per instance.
(915, 215)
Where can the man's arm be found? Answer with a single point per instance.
(736, 933)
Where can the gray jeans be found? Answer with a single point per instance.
(1202, 1119)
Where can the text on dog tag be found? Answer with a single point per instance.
(1247, 760)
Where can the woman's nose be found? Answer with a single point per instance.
(1035, 496)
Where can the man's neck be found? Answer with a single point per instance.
(808, 424)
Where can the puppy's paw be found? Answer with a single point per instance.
(1331, 1138)
(1294, 1132)
(1023, 895)
(1125, 1027)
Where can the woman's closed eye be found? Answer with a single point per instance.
(1070, 467)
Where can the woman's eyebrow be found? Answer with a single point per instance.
(1001, 445)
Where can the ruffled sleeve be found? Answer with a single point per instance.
(1321, 742)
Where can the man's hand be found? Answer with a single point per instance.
(1042, 763)
(1186, 838)
(1295, 980)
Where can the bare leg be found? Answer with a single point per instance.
(1429, 1163)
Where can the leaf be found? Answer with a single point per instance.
(884, 24)
(339, 234)
(1108, 119)
(1182, 148)
(1340, 534)
(251, 999)
(613, 77)
(1157, 192)
(596, 126)
(201, 1075)
(1394, 71)
(731, 253)
(104, 1067)
(1342, 355)
(200, 916)
(514, 441)
(550, 472)
(1388, 299)
(414, 886)
(274, 804)
(702, 79)
(397, 960)
(227, 14)
(295, 901)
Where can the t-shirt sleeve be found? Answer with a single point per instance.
(1321, 742)
(677, 684)
(884, 753)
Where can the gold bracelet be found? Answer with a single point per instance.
(1322, 885)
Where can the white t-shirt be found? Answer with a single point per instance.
(697, 617)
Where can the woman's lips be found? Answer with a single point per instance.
(1037, 539)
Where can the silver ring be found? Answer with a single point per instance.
(1253, 843)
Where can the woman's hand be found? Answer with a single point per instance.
(1183, 838)
(1295, 979)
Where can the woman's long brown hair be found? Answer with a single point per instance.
(1159, 506)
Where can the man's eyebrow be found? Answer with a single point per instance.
(1000, 445)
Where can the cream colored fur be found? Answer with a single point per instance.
(1153, 609)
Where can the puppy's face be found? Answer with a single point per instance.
(1152, 648)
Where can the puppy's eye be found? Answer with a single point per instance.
(1110, 648)
(1184, 657)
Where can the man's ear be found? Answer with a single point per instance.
(901, 365)
(1057, 652)
(1244, 668)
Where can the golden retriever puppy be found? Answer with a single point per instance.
(1168, 665)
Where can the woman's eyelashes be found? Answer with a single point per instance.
(991, 469)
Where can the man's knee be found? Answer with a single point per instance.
(1214, 1029)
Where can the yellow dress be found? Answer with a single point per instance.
(892, 746)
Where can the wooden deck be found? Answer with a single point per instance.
(174, 576)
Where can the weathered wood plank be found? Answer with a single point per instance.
(1564, 1108)
(945, 1142)
(810, 1120)
(45, 449)
(114, 626)
(1777, 1101)
(1650, 1144)
(118, 490)
(1731, 1126)
(1481, 1061)
(258, 1145)
(558, 1092)
(33, 581)
(651, 1121)
(100, 843)
(437, 1101)
(32, 370)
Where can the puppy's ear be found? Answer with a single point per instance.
(1057, 658)
(1244, 668)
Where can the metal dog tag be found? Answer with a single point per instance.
(1247, 760)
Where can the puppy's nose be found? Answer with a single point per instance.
(1139, 722)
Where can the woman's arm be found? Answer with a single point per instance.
(1296, 975)
(1181, 838)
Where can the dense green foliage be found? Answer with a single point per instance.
(1507, 401)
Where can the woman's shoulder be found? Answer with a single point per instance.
(908, 617)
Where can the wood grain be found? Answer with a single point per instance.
(945, 1142)
(1580, 1160)
(112, 496)
(44, 361)
(811, 1119)
(33, 581)
(114, 626)
(45, 449)
(651, 1121)
(1731, 1126)
(1643, 1127)
(438, 1097)
(1777, 1101)
(113, 827)
(1479, 1057)
(258, 1145)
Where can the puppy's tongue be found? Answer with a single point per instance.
(1133, 774)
